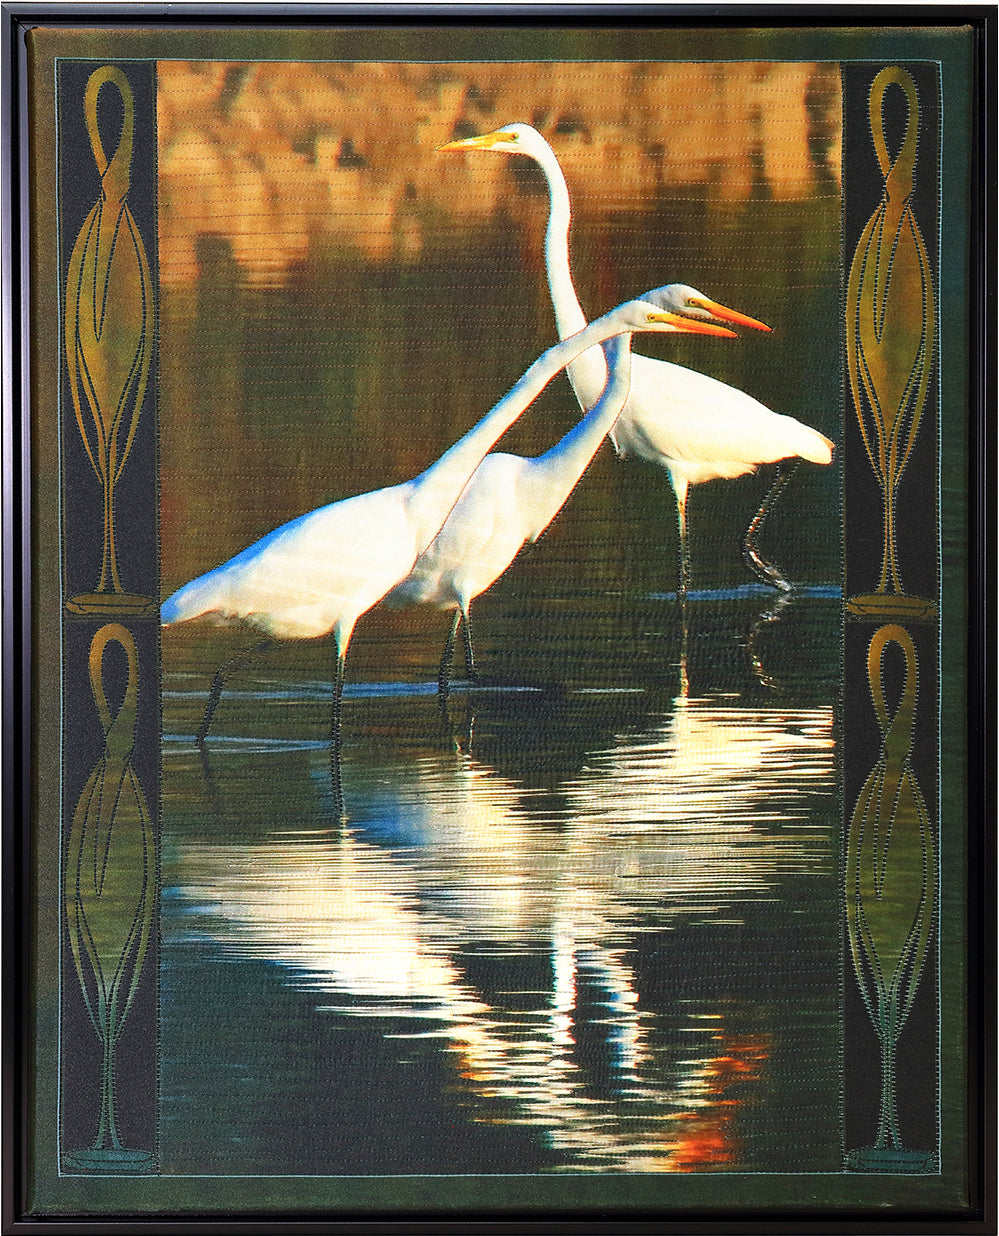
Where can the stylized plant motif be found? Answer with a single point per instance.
(890, 875)
(109, 317)
(111, 876)
(890, 319)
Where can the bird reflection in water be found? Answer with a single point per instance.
(345, 921)
(450, 871)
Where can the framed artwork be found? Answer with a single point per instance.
(650, 352)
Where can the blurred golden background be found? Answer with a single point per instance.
(273, 156)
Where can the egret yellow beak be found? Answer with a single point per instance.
(691, 326)
(483, 142)
(728, 315)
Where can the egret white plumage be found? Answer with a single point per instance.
(694, 426)
(319, 573)
(510, 500)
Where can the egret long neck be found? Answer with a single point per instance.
(435, 491)
(588, 374)
(569, 316)
(549, 479)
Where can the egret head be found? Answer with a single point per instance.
(645, 314)
(510, 139)
(688, 302)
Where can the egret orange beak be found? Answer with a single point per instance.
(692, 326)
(728, 315)
(482, 142)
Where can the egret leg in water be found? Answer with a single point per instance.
(470, 671)
(681, 489)
(751, 555)
(444, 673)
(222, 675)
(335, 736)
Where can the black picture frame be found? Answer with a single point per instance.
(28, 667)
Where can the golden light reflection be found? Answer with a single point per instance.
(344, 920)
(714, 760)
(381, 926)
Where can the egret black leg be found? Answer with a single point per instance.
(211, 785)
(335, 736)
(684, 677)
(768, 572)
(444, 673)
(222, 676)
(680, 489)
(681, 510)
(684, 554)
(470, 669)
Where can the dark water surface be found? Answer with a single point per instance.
(589, 921)
(578, 928)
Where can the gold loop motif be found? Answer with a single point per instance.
(890, 328)
(900, 726)
(897, 174)
(117, 169)
(110, 876)
(890, 874)
(124, 720)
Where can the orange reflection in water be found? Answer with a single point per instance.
(709, 1136)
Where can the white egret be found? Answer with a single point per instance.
(694, 426)
(510, 500)
(319, 573)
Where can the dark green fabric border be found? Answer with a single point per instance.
(714, 1193)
